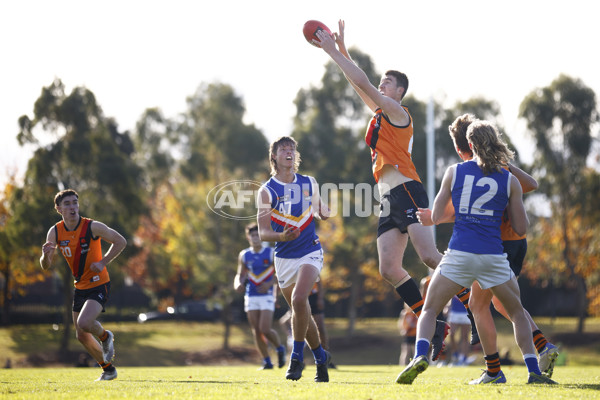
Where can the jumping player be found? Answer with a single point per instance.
(288, 204)
(256, 275)
(79, 241)
(390, 137)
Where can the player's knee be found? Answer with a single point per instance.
(431, 260)
(298, 303)
(85, 326)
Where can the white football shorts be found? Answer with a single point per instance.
(266, 302)
(287, 268)
(459, 318)
(464, 268)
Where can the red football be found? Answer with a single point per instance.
(311, 28)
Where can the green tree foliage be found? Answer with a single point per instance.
(154, 138)
(560, 118)
(186, 250)
(213, 136)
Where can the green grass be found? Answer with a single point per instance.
(243, 382)
(374, 342)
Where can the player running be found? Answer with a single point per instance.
(79, 241)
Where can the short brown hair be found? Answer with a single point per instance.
(401, 79)
(251, 228)
(62, 194)
(458, 132)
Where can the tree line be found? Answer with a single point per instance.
(151, 184)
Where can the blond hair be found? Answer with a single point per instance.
(492, 153)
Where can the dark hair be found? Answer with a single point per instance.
(251, 228)
(62, 194)
(401, 79)
(273, 150)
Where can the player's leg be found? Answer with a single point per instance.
(480, 306)
(390, 247)
(506, 293)
(424, 244)
(259, 340)
(266, 328)
(87, 339)
(319, 318)
(87, 328)
(441, 290)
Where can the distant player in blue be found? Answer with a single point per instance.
(477, 191)
(288, 203)
(256, 275)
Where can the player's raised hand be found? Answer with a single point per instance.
(326, 41)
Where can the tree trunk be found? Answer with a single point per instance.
(582, 303)
(67, 310)
(355, 288)
(227, 323)
(579, 280)
(6, 296)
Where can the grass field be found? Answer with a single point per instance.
(185, 360)
(243, 382)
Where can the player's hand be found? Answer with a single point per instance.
(424, 216)
(97, 266)
(289, 233)
(324, 212)
(326, 41)
(48, 248)
(339, 36)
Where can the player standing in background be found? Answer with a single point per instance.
(288, 204)
(390, 137)
(80, 242)
(256, 275)
(477, 191)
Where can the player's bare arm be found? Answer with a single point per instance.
(240, 278)
(424, 215)
(48, 250)
(516, 209)
(357, 77)
(117, 241)
(443, 197)
(340, 41)
(265, 231)
(321, 212)
(528, 182)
